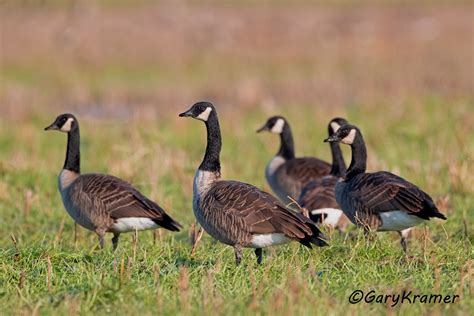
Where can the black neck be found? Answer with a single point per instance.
(338, 168)
(211, 161)
(359, 157)
(287, 146)
(73, 155)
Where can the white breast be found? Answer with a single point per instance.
(203, 180)
(398, 221)
(265, 240)
(331, 217)
(66, 178)
(274, 164)
(129, 224)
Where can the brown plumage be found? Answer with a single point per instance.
(103, 203)
(319, 201)
(294, 174)
(236, 213)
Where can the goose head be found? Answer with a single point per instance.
(335, 124)
(273, 125)
(199, 111)
(345, 134)
(64, 123)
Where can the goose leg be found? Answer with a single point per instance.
(196, 238)
(101, 233)
(258, 253)
(101, 241)
(115, 240)
(403, 238)
(238, 254)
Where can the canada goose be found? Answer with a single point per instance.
(99, 202)
(317, 197)
(379, 201)
(236, 213)
(286, 174)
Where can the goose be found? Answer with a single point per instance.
(380, 201)
(317, 197)
(285, 173)
(236, 213)
(99, 202)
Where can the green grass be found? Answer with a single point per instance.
(428, 141)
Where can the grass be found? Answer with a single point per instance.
(402, 72)
(43, 270)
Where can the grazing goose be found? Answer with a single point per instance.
(317, 197)
(379, 201)
(239, 214)
(286, 174)
(103, 203)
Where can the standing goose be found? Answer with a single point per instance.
(285, 173)
(379, 201)
(103, 203)
(239, 214)
(317, 197)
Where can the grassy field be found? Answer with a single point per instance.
(45, 270)
(402, 73)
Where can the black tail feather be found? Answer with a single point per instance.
(317, 237)
(168, 223)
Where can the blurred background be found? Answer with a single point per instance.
(121, 58)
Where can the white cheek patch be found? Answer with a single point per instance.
(205, 114)
(278, 127)
(349, 139)
(335, 127)
(67, 126)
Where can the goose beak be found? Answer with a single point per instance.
(52, 127)
(332, 139)
(262, 129)
(186, 114)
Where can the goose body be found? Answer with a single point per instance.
(236, 213)
(285, 173)
(103, 203)
(318, 196)
(379, 201)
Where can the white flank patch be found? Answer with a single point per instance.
(67, 126)
(265, 240)
(335, 126)
(278, 126)
(66, 177)
(398, 221)
(129, 224)
(274, 164)
(332, 215)
(349, 139)
(205, 114)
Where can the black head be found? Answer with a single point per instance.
(345, 134)
(64, 123)
(274, 125)
(335, 124)
(200, 111)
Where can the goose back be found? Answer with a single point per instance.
(237, 213)
(370, 198)
(97, 200)
(289, 178)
